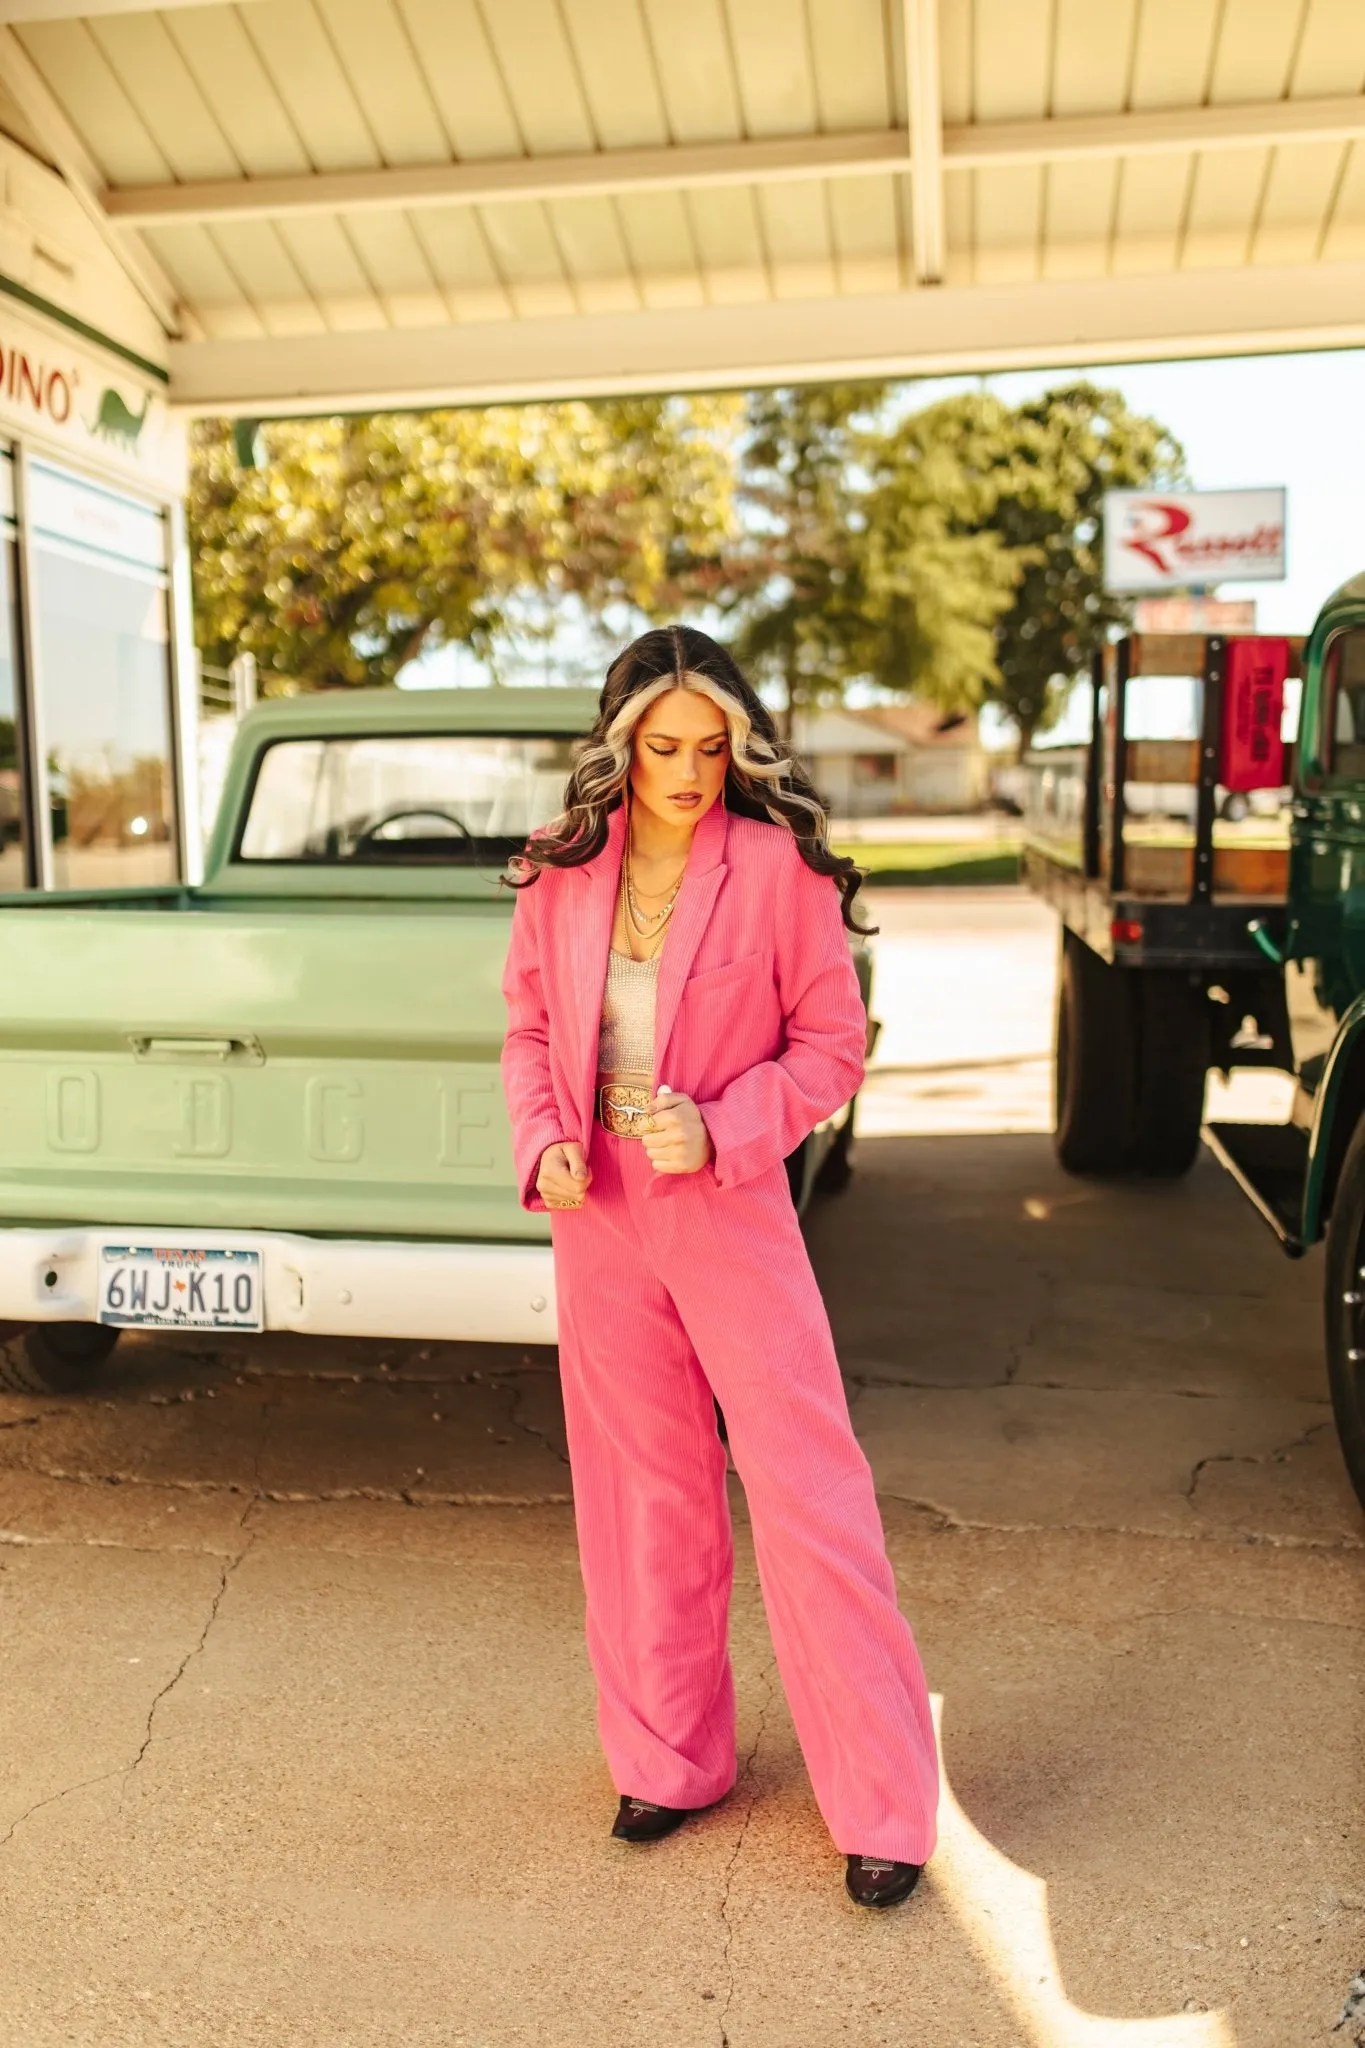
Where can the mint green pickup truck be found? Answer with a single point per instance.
(272, 1101)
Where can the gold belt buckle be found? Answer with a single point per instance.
(624, 1110)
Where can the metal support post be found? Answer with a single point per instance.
(1210, 756)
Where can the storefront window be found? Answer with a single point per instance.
(12, 865)
(103, 656)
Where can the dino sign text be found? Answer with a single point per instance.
(36, 386)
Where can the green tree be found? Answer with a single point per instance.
(793, 580)
(1030, 480)
(354, 544)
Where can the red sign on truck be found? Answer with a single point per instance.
(1253, 705)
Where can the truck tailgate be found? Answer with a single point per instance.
(331, 1070)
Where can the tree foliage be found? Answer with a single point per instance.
(357, 543)
(953, 551)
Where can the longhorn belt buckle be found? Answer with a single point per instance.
(625, 1111)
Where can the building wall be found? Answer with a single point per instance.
(96, 663)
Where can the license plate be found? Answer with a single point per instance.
(180, 1287)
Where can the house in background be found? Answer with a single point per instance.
(893, 758)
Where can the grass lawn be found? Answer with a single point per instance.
(892, 864)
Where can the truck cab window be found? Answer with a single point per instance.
(1344, 700)
(404, 799)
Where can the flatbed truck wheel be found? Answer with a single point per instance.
(56, 1358)
(1344, 1309)
(1173, 1065)
(1096, 1096)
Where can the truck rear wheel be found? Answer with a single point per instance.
(1344, 1309)
(1096, 1096)
(56, 1358)
(1173, 1065)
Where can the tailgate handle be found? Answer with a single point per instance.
(156, 1046)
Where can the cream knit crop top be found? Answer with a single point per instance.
(625, 1043)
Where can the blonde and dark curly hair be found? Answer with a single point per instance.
(762, 780)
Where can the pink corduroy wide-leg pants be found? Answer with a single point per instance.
(663, 1302)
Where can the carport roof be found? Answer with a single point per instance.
(342, 202)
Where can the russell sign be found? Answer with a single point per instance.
(1178, 540)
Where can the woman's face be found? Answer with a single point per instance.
(682, 749)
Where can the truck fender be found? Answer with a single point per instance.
(1339, 1106)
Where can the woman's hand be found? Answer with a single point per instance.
(563, 1177)
(681, 1142)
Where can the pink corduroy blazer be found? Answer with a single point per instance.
(758, 1013)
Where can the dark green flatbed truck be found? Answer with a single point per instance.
(1218, 949)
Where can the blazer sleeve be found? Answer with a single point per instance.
(526, 1079)
(765, 1113)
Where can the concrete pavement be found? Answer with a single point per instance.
(300, 1743)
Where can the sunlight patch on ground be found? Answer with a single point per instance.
(1003, 1911)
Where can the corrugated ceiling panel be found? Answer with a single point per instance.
(1331, 53)
(1012, 54)
(311, 85)
(1091, 74)
(588, 234)
(795, 220)
(397, 268)
(256, 254)
(1344, 241)
(540, 75)
(773, 66)
(528, 259)
(614, 61)
(1149, 211)
(327, 261)
(76, 70)
(1172, 61)
(161, 86)
(203, 277)
(850, 63)
(1298, 196)
(227, 69)
(1257, 40)
(663, 249)
(955, 68)
(462, 76)
(383, 74)
(1255, 53)
(729, 245)
(696, 76)
(455, 246)
(866, 233)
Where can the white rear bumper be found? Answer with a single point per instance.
(325, 1287)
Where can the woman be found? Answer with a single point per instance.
(683, 1010)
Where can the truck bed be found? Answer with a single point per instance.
(187, 1058)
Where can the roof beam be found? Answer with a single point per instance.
(66, 150)
(583, 175)
(909, 333)
(696, 166)
(69, 10)
(924, 101)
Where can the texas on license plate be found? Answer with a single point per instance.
(180, 1287)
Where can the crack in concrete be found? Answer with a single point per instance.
(948, 1521)
(1275, 1456)
(539, 1436)
(124, 1771)
(746, 1774)
(411, 1497)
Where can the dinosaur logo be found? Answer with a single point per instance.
(115, 422)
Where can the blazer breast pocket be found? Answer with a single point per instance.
(731, 1005)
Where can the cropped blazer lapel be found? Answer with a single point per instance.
(701, 881)
(589, 945)
(589, 938)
